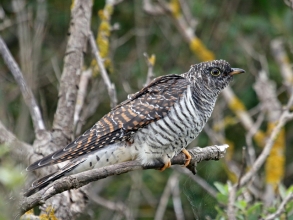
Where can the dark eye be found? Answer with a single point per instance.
(215, 72)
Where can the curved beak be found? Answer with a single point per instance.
(236, 71)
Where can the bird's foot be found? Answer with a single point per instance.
(188, 157)
(166, 165)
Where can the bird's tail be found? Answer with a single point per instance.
(41, 183)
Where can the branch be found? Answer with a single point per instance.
(199, 180)
(25, 90)
(73, 63)
(267, 149)
(279, 53)
(110, 86)
(81, 95)
(165, 197)
(114, 206)
(281, 208)
(17, 147)
(150, 62)
(78, 180)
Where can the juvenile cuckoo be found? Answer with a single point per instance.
(155, 123)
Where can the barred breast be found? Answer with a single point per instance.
(168, 136)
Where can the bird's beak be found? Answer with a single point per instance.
(236, 71)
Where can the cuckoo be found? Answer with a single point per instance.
(154, 124)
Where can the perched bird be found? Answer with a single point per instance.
(155, 123)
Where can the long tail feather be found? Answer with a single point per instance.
(45, 181)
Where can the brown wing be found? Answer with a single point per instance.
(150, 104)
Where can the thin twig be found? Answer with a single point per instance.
(110, 86)
(200, 181)
(177, 204)
(267, 149)
(78, 180)
(81, 94)
(281, 208)
(279, 53)
(150, 62)
(242, 167)
(25, 90)
(164, 198)
(115, 206)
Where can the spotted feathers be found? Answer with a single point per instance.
(146, 106)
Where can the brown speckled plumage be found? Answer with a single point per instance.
(155, 123)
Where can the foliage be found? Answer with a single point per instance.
(255, 208)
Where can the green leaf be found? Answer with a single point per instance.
(221, 214)
(222, 198)
(222, 188)
(254, 209)
(241, 204)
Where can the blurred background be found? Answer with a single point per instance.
(253, 35)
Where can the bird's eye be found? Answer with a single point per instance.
(215, 72)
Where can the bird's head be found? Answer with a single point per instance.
(213, 75)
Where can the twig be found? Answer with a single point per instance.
(177, 204)
(110, 86)
(250, 134)
(164, 198)
(201, 182)
(281, 208)
(152, 9)
(231, 201)
(281, 57)
(25, 90)
(150, 62)
(241, 113)
(266, 151)
(242, 167)
(289, 3)
(78, 180)
(97, 90)
(115, 206)
(82, 92)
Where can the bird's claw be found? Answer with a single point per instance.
(188, 157)
(166, 165)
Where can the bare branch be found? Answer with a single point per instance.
(201, 182)
(281, 208)
(25, 90)
(164, 198)
(152, 9)
(17, 147)
(281, 57)
(110, 86)
(78, 180)
(115, 206)
(177, 204)
(73, 63)
(82, 92)
(267, 149)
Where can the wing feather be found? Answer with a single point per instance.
(150, 104)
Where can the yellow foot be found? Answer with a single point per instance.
(166, 165)
(188, 157)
